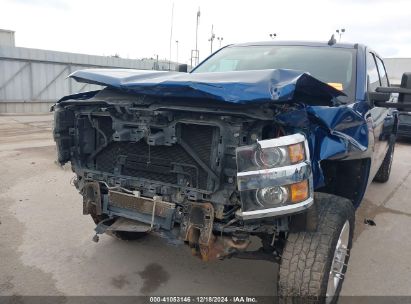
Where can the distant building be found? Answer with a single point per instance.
(396, 67)
(7, 38)
(31, 80)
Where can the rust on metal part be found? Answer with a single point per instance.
(92, 196)
(197, 230)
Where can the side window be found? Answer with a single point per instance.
(372, 73)
(382, 72)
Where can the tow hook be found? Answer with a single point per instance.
(100, 229)
(96, 238)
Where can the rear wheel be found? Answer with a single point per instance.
(314, 263)
(384, 171)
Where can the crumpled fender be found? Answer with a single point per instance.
(332, 132)
(243, 87)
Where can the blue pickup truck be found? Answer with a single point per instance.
(271, 142)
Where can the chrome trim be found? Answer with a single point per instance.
(280, 176)
(272, 212)
(282, 141)
(307, 152)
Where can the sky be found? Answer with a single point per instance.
(142, 28)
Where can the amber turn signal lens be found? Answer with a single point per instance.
(299, 191)
(296, 153)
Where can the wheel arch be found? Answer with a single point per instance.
(346, 178)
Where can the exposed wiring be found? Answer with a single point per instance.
(116, 187)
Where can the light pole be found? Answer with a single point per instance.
(194, 53)
(220, 39)
(340, 32)
(177, 51)
(198, 19)
(273, 35)
(212, 37)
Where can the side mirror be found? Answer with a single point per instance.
(376, 98)
(182, 68)
(404, 95)
(405, 84)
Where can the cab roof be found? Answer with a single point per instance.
(300, 43)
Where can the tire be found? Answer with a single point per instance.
(121, 235)
(383, 174)
(307, 257)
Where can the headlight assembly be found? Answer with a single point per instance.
(274, 175)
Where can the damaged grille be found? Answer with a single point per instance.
(167, 164)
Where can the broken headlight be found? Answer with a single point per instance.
(274, 176)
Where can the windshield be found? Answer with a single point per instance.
(335, 66)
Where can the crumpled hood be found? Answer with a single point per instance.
(235, 87)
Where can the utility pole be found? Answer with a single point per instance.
(212, 37)
(171, 35)
(177, 51)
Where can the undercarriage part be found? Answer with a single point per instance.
(197, 230)
(127, 225)
(259, 254)
(197, 225)
(222, 247)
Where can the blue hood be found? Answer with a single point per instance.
(235, 87)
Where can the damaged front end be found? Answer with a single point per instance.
(203, 167)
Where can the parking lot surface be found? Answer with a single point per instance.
(46, 246)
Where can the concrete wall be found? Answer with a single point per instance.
(31, 80)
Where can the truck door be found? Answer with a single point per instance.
(389, 120)
(378, 115)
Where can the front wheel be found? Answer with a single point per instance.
(314, 263)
